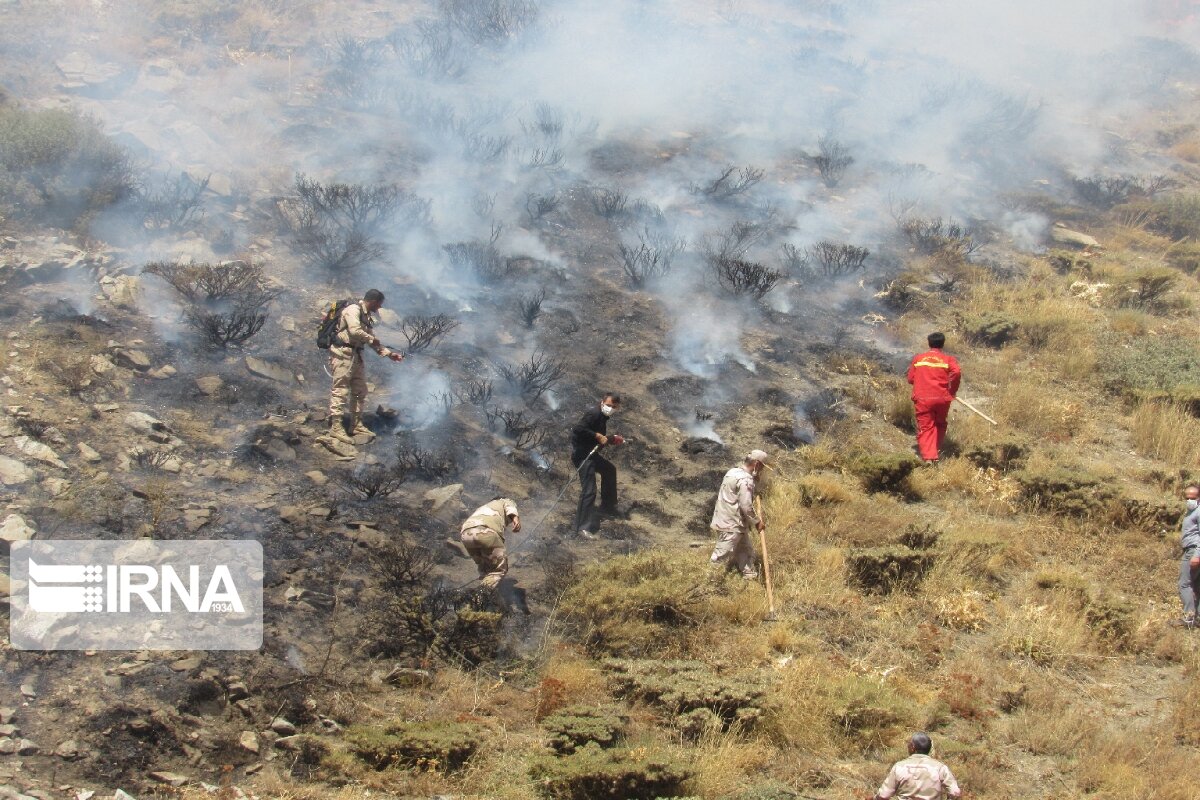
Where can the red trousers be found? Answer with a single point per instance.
(931, 426)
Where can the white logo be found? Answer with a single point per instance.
(125, 582)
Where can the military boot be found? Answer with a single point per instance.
(358, 430)
(338, 429)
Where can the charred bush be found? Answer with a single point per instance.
(404, 566)
(481, 258)
(825, 259)
(75, 373)
(650, 259)
(530, 307)
(548, 123)
(171, 203)
(476, 391)
(887, 472)
(745, 277)
(490, 22)
(225, 303)
(372, 481)
(524, 431)
(483, 204)
(832, 160)
(202, 282)
(356, 63)
(142, 458)
(421, 333)
(539, 205)
(422, 464)
(336, 226)
(544, 158)
(1107, 191)
(609, 203)
(936, 235)
(233, 321)
(534, 377)
(432, 53)
(482, 147)
(59, 167)
(732, 182)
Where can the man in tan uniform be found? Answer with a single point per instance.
(919, 777)
(355, 330)
(734, 515)
(482, 536)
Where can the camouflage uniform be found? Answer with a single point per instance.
(354, 332)
(483, 537)
(733, 518)
(919, 777)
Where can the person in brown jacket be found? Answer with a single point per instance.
(355, 331)
(482, 536)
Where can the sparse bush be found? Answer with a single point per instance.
(226, 303)
(372, 481)
(57, 166)
(530, 307)
(432, 53)
(887, 472)
(403, 564)
(1176, 216)
(831, 161)
(544, 158)
(231, 323)
(143, 458)
(650, 259)
(75, 373)
(991, 328)
(609, 203)
(1146, 289)
(431, 746)
(430, 465)
(732, 182)
(524, 432)
(336, 226)
(999, 454)
(171, 203)
(1107, 191)
(534, 377)
(1063, 491)
(825, 259)
(356, 66)
(936, 235)
(481, 258)
(634, 773)
(745, 277)
(1154, 363)
(490, 22)
(202, 282)
(476, 391)
(884, 570)
(539, 205)
(680, 687)
(576, 726)
(421, 333)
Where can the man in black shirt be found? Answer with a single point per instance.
(589, 433)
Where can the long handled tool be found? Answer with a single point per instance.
(762, 544)
(976, 410)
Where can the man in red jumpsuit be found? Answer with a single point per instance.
(934, 376)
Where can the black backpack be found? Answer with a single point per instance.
(327, 333)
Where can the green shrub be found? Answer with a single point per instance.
(1111, 619)
(991, 328)
(573, 727)
(58, 166)
(999, 454)
(1154, 363)
(884, 473)
(680, 687)
(636, 773)
(1185, 256)
(868, 711)
(1146, 289)
(1148, 516)
(431, 746)
(635, 605)
(883, 570)
(1177, 216)
(1072, 493)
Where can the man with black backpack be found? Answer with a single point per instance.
(346, 329)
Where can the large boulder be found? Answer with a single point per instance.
(16, 529)
(13, 472)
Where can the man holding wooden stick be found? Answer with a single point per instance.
(735, 514)
(935, 377)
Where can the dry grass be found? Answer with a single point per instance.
(1166, 431)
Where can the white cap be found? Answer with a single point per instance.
(757, 455)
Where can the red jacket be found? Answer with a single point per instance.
(934, 375)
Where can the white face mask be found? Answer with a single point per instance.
(606, 409)
(1191, 504)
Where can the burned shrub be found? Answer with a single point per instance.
(534, 377)
(203, 282)
(148, 460)
(576, 726)
(745, 277)
(539, 205)
(1146, 289)
(883, 570)
(423, 464)
(732, 182)
(432, 746)
(421, 333)
(58, 166)
(642, 773)
(370, 481)
(650, 259)
(355, 65)
(75, 373)
(991, 328)
(336, 226)
(935, 235)
(825, 259)
(524, 431)
(404, 566)
(476, 391)
(887, 472)
(544, 158)
(225, 303)
(490, 22)
(1106, 191)
(609, 203)
(484, 148)
(231, 322)
(481, 258)
(432, 53)
(530, 307)
(171, 203)
(832, 160)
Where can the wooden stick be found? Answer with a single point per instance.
(762, 543)
(976, 410)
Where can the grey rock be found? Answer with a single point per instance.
(121, 290)
(9, 793)
(13, 472)
(121, 794)
(82, 70)
(101, 364)
(8, 747)
(283, 727)
(265, 369)
(209, 384)
(439, 497)
(1063, 235)
(36, 450)
(68, 750)
(9, 730)
(16, 529)
(132, 359)
(173, 779)
(248, 741)
(7, 715)
(317, 477)
(88, 453)
(27, 747)
(145, 424)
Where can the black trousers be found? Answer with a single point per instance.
(587, 518)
